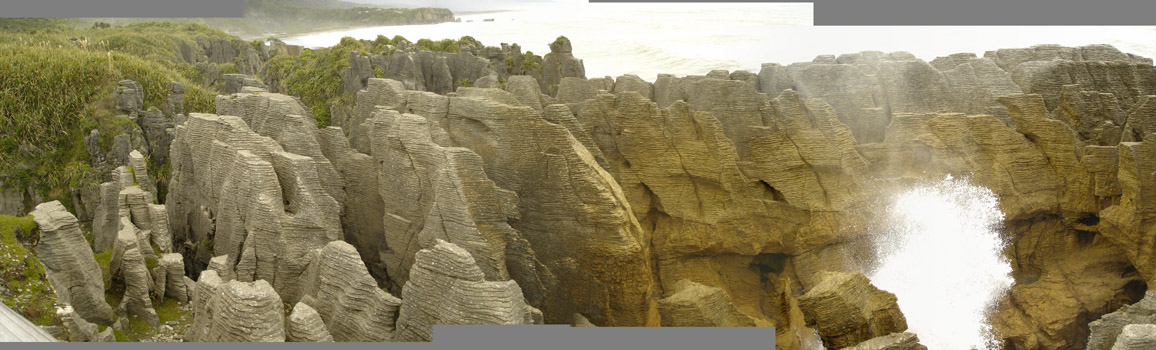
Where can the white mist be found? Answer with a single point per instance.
(942, 258)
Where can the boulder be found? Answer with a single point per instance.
(447, 288)
(695, 305)
(893, 341)
(847, 310)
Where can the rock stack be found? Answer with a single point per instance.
(69, 264)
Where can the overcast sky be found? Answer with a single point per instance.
(464, 5)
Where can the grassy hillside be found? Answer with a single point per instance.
(59, 84)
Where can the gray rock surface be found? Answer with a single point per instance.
(204, 304)
(526, 89)
(246, 312)
(80, 330)
(265, 207)
(129, 266)
(439, 193)
(893, 341)
(447, 288)
(355, 75)
(174, 269)
(159, 235)
(130, 97)
(362, 216)
(1106, 330)
(518, 141)
(69, 264)
(558, 64)
(305, 325)
(347, 298)
(1136, 337)
(631, 82)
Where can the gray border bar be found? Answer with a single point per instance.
(985, 12)
(965, 12)
(503, 337)
(122, 8)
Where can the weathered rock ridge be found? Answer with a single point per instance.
(728, 199)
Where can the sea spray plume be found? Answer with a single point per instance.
(941, 256)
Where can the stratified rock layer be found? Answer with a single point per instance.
(1108, 328)
(348, 299)
(447, 288)
(848, 310)
(69, 263)
(305, 325)
(246, 312)
(696, 305)
(894, 341)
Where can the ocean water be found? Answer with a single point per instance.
(693, 38)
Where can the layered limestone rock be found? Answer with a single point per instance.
(246, 312)
(893, 341)
(1136, 337)
(305, 325)
(581, 321)
(69, 264)
(1128, 224)
(80, 330)
(499, 133)
(695, 305)
(437, 72)
(1066, 278)
(128, 265)
(632, 82)
(362, 216)
(847, 310)
(1096, 116)
(204, 304)
(432, 192)
(139, 170)
(558, 64)
(447, 288)
(347, 298)
(286, 120)
(681, 175)
(174, 272)
(1141, 119)
(160, 236)
(1106, 330)
(526, 89)
(105, 224)
(239, 194)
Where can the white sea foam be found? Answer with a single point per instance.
(942, 257)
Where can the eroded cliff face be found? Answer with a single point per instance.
(720, 200)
